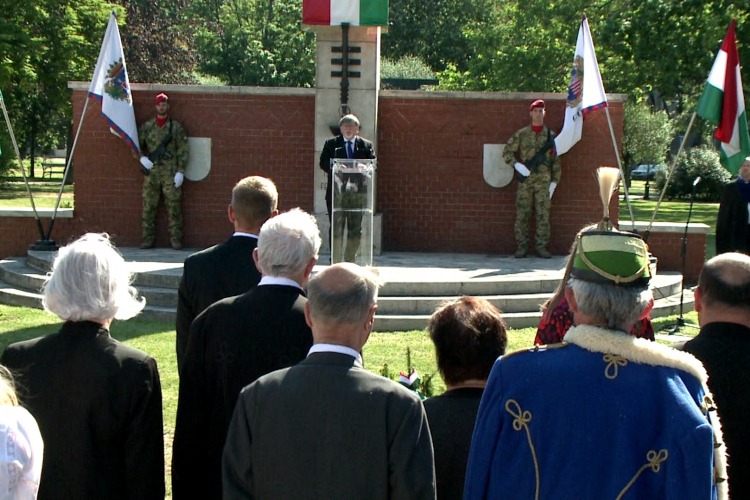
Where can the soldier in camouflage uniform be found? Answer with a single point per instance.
(164, 172)
(535, 187)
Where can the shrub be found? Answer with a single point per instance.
(701, 161)
(406, 67)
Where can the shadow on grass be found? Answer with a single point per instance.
(121, 330)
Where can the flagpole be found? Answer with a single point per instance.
(67, 168)
(20, 164)
(669, 177)
(619, 165)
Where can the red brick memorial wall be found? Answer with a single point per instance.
(430, 146)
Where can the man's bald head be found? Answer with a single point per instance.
(725, 281)
(342, 294)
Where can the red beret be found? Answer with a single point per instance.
(536, 104)
(161, 98)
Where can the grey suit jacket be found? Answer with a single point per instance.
(327, 428)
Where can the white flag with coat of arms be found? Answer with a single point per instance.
(111, 86)
(585, 92)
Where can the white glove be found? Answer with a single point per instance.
(178, 178)
(552, 186)
(521, 169)
(147, 164)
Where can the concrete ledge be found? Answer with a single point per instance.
(62, 213)
(207, 89)
(665, 227)
(494, 96)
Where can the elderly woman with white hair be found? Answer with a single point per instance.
(96, 400)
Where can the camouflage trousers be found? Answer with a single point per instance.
(533, 194)
(161, 181)
(347, 218)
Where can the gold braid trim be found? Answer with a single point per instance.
(654, 461)
(521, 421)
(613, 362)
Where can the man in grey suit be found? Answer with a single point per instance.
(326, 427)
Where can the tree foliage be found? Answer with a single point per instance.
(434, 31)
(44, 44)
(158, 41)
(702, 161)
(646, 135)
(255, 42)
(641, 44)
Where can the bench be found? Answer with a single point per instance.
(54, 163)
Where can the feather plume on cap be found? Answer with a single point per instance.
(608, 178)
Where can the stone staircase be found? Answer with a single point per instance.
(415, 284)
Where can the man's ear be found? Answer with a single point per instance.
(255, 259)
(230, 213)
(698, 299)
(308, 318)
(369, 323)
(310, 266)
(571, 298)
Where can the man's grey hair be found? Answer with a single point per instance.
(348, 303)
(287, 242)
(90, 281)
(350, 118)
(615, 305)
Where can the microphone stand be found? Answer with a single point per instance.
(675, 328)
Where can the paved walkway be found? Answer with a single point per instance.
(391, 266)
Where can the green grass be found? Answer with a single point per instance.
(158, 339)
(13, 191)
(671, 211)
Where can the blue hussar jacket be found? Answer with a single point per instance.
(601, 416)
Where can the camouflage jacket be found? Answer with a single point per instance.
(150, 135)
(525, 143)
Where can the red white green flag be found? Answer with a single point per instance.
(354, 12)
(723, 104)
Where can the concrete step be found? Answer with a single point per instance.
(415, 286)
(665, 306)
(13, 296)
(15, 271)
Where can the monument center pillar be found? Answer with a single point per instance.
(361, 98)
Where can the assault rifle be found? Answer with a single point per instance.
(160, 153)
(539, 158)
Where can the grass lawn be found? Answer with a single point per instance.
(158, 339)
(670, 211)
(13, 192)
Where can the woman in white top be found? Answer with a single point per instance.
(21, 446)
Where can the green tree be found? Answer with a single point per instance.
(255, 42)
(45, 44)
(434, 30)
(158, 41)
(646, 135)
(641, 45)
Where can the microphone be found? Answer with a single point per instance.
(697, 180)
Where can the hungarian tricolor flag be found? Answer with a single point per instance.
(723, 104)
(354, 12)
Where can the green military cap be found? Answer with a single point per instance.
(612, 258)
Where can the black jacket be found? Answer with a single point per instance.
(99, 409)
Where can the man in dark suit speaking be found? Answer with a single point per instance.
(235, 341)
(326, 427)
(226, 269)
(347, 145)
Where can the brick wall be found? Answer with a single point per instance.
(431, 189)
(267, 134)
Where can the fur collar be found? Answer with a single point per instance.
(597, 339)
